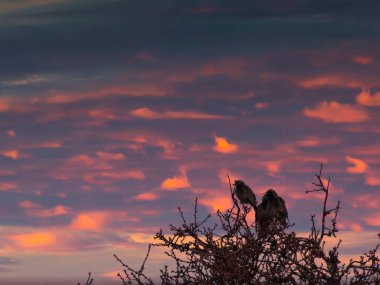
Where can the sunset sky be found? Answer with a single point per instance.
(115, 112)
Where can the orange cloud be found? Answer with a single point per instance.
(89, 221)
(223, 146)
(366, 99)
(374, 220)
(146, 197)
(273, 167)
(13, 154)
(217, 202)
(111, 274)
(177, 182)
(96, 220)
(335, 112)
(110, 156)
(142, 238)
(372, 180)
(359, 165)
(362, 59)
(34, 240)
(148, 114)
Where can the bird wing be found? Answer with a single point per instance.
(282, 209)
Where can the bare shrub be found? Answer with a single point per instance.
(233, 252)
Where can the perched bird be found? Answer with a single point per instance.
(272, 209)
(245, 193)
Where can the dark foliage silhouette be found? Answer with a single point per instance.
(232, 252)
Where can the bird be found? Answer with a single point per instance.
(245, 193)
(272, 209)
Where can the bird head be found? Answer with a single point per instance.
(239, 183)
(271, 193)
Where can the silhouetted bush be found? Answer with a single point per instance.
(233, 252)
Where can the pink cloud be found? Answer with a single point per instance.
(107, 177)
(35, 210)
(261, 105)
(144, 56)
(25, 204)
(366, 201)
(315, 141)
(23, 5)
(102, 114)
(110, 156)
(362, 59)
(233, 68)
(335, 112)
(273, 167)
(46, 213)
(211, 10)
(373, 220)
(7, 186)
(356, 227)
(223, 146)
(148, 114)
(5, 104)
(366, 99)
(359, 165)
(7, 172)
(51, 144)
(101, 170)
(143, 90)
(224, 178)
(331, 80)
(11, 133)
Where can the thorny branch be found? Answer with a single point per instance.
(89, 281)
(231, 251)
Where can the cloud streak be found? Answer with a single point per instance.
(335, 112)
(148, 114)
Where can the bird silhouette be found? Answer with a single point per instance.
(271, 210)
(245, 193)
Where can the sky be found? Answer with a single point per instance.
(113, 113)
